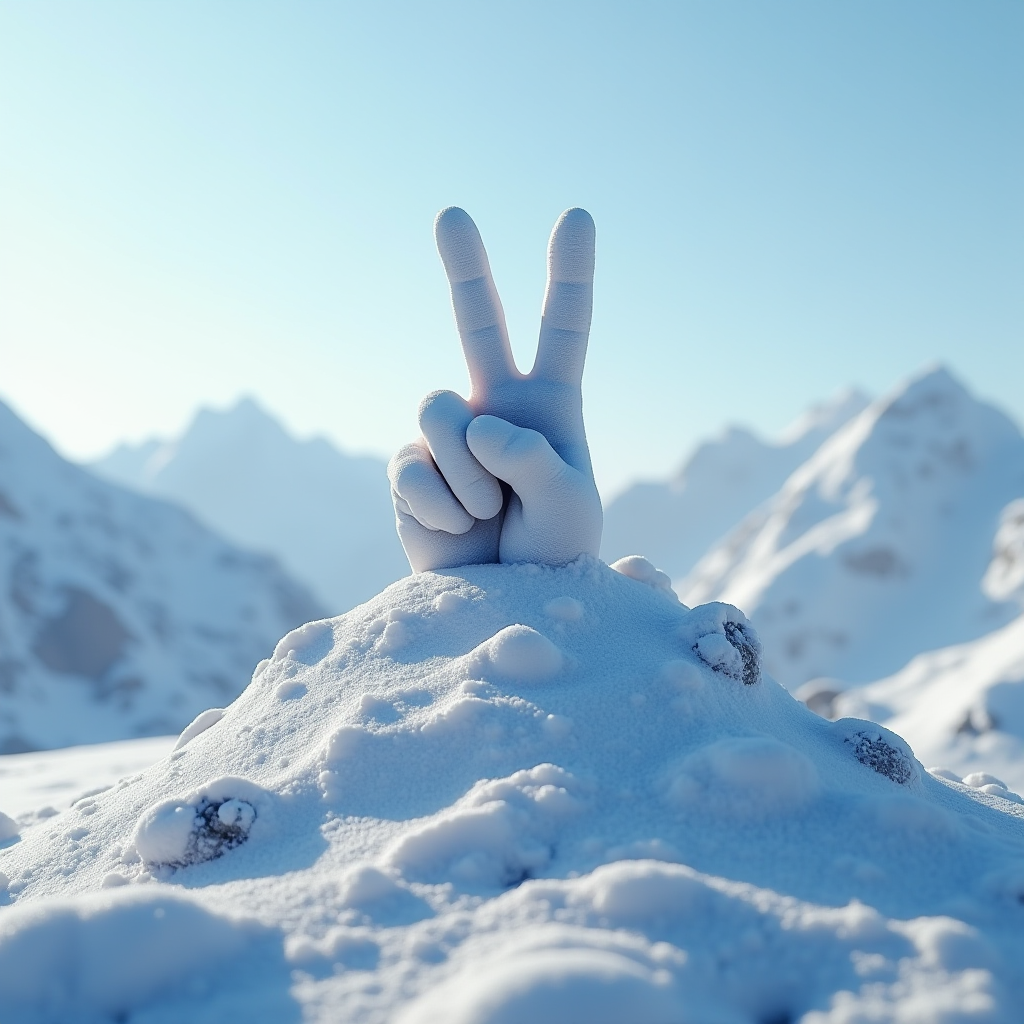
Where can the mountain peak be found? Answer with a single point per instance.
(120, 613)
(244, 423)
(227, 468)
(877, 547)
(931, 388)
(675, 522)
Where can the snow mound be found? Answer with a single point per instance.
(108, 956)
(512, 792)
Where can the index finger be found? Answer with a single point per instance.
(478, 313)
(569, 299)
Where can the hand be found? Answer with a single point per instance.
(506, 476)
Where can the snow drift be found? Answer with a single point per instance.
(513, 792)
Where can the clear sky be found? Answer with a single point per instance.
(199, 201)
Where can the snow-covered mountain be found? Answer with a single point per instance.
(517, 793)
(241, 473)
(880, 546)
(961, 707)
(674, 523)
(120, 615)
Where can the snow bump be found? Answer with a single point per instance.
(520, 653)
(307, 644)
(745, 776)
(638, 568)
(499, 833)
(8, 828)
(198, 725)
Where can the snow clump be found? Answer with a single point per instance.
(638, 568)
(8, 827)
(725, 640)
(500, 833)
(519, 652)
(202, 826)
(199, 724)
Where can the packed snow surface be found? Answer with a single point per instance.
(37, 785)
(120, 615)
(239, 471)
(507, 793)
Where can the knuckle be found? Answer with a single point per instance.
(411, 475)
(442, 413)
(434, 404)
(526, 444)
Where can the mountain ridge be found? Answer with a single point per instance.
(876, 548)
(674, 522)
(120, 614)
(239, 470)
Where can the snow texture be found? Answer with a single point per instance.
(505, 476)
(120, 615)
(39, 784)
(238, 470)
(639, 835)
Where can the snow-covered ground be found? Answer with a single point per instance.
(239, 471)
(38, 785)
(517, 793)
(120, 615)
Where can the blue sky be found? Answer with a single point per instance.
(199, 201)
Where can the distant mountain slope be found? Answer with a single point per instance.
(120, 615)
(673, 523)
(962, 707)
(959, 707)
(879, 547)
(326, 516)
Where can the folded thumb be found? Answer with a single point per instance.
(522, 458)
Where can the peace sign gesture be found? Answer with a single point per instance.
(506, 476)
